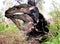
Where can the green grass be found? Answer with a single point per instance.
(2, 27)
(11, 27)
(53, 36)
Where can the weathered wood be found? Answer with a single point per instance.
(21, 12)
(15, 13)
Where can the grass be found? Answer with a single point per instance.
(10, 27)
(11, 33)
(54, 35)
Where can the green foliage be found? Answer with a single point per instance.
(2, 27)
(54, 34)
(11, 27)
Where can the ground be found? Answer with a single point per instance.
(12, 37)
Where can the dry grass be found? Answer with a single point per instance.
(12, 37)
